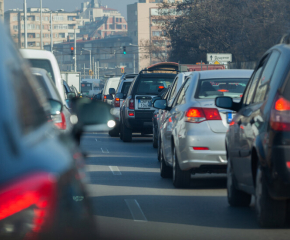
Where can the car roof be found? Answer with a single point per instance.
(37, 54)
(233, 73)
(155, 75)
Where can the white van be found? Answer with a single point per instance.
(111, 83)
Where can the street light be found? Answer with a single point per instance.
(90, 57)
(134, 62)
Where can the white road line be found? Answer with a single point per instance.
(136, 211)
(115, 170)
(96, 139)
(105, 150)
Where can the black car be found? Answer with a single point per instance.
(258, 140)
(42, 175)
(137, 111)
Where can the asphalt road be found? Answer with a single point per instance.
(131, 201)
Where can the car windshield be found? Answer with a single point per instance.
(153, 85)
(43, 64)
(212, 88)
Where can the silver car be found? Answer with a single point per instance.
(192, 137)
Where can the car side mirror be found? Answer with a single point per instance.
(99, 96)
(120, 95)
(227, 103)
(160, 104)
(112, 91)
(71, 95)
(55, 107)
(109, 97)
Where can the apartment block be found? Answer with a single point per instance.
(2, 9)
(144, 27)
(63, 25)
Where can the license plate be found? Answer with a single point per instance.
(230, 117)
(144, 103)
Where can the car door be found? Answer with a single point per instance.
(243, 131)
(170, 122)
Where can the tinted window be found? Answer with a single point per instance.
(182, 94)
(265, 78)
(148, 86)
(251, 89)
(212, 88)
(43, 64)
(173, 91)
(42, 86)
(125, 87)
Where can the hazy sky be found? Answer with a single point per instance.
(68, 5)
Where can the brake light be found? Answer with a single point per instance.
(223, 90)
(170, 120)
(117, 102)
(200, 148)
(131, 114)
(105, 97)
(59, 121)
(197, 115)
(232, 123)
(161, 87)
(37, 192)
(131, 104)
(280, 115)
(288, 164)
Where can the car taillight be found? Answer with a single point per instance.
(117, 102)
(197, 115)
(59, 121)
(131, 104)
(131, 114)
(36, 192)
(200, 148)
(280, 115)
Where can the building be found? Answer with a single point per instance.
(2, 9)
(104, 55)
(144, 27)
(103, 21)
(63, 24)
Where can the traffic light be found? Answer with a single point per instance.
(124, 50)
(72, 50)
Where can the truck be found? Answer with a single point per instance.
(91, 87)
(72, 79)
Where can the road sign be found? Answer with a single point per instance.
(216, 62)
(222, 58)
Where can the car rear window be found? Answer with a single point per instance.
(125, 87)
(43, 64)
(148, 86)
(212, 88)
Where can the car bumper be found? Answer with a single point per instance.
(141, 121)
(201, 136)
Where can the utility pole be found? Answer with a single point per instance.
(75, 49)
(134, 64)
(51, 33)
(41, 34)
(25, 24)
(98, 70)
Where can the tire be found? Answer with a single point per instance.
(127, 134)
(270, 213)
(236, 198)
(181, 179)
(165, 171)
(155, 140)
(114, 132)
(121, 130)
(159, 148)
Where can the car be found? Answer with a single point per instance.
(192, 135)
(112, 83)
(62, 119)
(136, 112)
(178, 81)
(118, 98)
(258, 139)
(42, 175)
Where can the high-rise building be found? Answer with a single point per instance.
(144, 27)
(2, 9)
(63, 25)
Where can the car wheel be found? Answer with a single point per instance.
(159, 148)
(236, 198)
(121, 130)
(155, 140)
(114, 132)
(271, 213)
(181, 179)
(165, 171)
(127, 134)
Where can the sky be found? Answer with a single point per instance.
(68, 5)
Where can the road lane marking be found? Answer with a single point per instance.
(136, 211)
(115, 170)
(105, 150)
(96, 139)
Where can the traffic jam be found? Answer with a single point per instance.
(169, 151)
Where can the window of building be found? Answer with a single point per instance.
(15, 27)
(58, 18)
(156, 33)
(37, 35)
(30, 26)
(37, 26)
(119, 26)
(46, 35)
(15, 18)
(61, 35)
(37, 18)
(37, 44)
